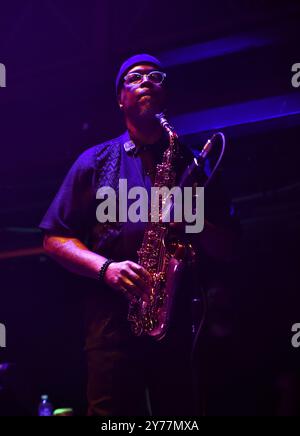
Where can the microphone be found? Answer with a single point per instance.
(205, 150)
(198, 162)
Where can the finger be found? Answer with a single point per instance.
(141, 272)
(137, 286)
(123, 290)
(131, 288)
(127, 294)
(142, 282)
(138, 280)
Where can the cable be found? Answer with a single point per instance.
(196, 386)
(219, 159)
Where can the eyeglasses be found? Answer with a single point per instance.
(156, 77)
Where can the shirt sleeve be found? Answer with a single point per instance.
(71, 210)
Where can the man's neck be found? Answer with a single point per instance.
(147, 132)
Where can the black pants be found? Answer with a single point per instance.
(121, 368)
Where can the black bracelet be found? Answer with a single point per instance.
(104, 268)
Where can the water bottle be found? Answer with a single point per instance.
(45, 407)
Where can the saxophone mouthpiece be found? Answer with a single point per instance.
(159, 116)
(164, 122)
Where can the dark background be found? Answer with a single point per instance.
(61, 60)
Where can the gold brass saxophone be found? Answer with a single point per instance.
(163, 261)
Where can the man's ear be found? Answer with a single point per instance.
(120, 101)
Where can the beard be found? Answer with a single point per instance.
(147, 108)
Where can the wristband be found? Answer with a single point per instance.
(103, 269)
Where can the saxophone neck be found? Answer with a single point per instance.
(173, 137)
(166, 125)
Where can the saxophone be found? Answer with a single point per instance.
(163, 261)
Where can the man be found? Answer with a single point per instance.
(121, 365)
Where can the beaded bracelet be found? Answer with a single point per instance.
(104, 268)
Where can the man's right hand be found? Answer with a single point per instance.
(130, 278)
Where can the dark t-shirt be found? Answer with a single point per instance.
(73, 214)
